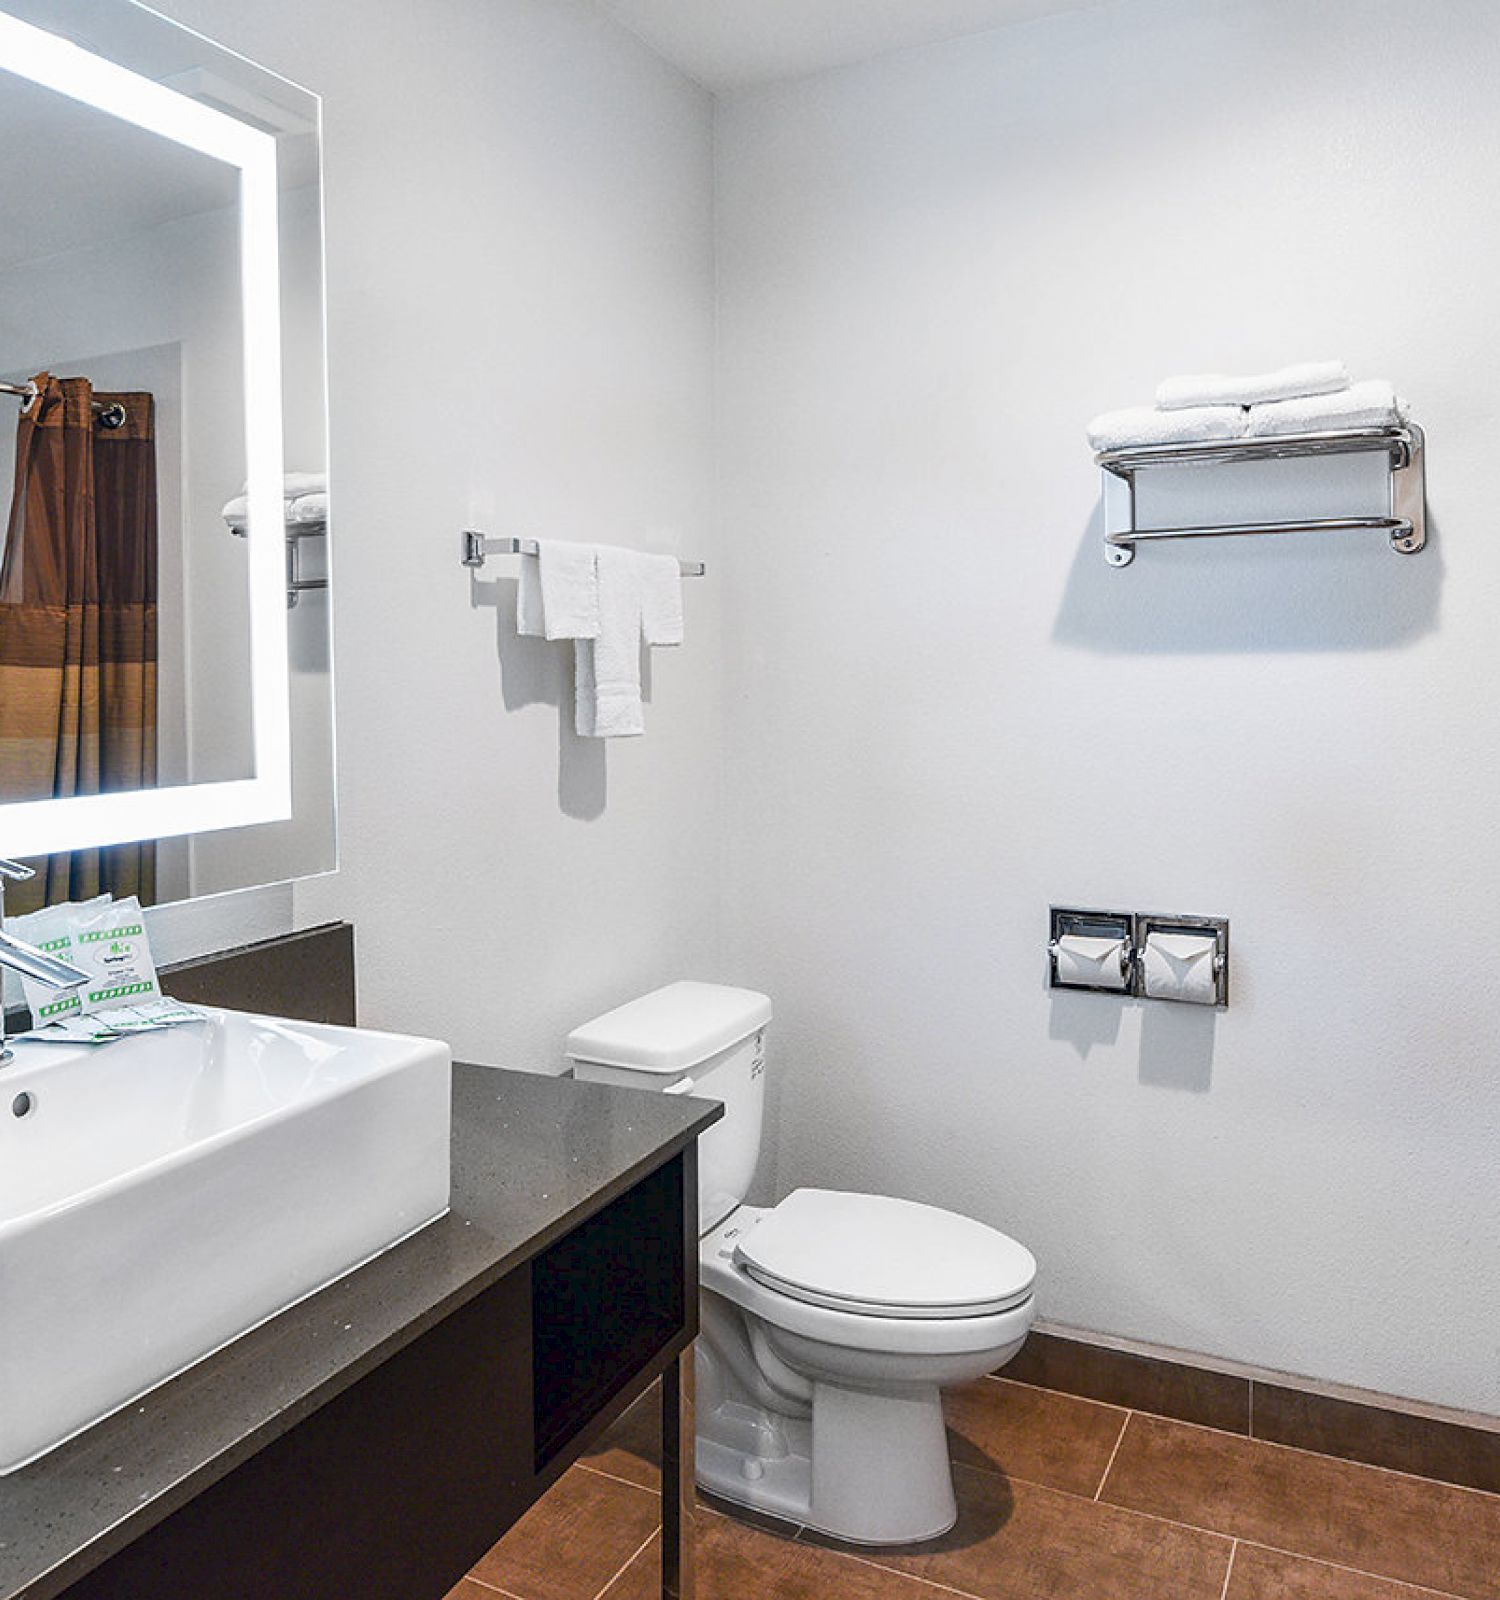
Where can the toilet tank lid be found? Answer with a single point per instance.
(671, 1029)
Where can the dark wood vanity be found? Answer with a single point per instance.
(376, 1439)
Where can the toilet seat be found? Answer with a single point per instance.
(876, 1256)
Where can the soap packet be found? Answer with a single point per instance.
(117, 1022)
(52, 930)
(110, 944)
(73, 1030)
(162, 1013)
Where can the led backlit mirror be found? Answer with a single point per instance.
(165, 686)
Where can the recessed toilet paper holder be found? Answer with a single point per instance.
(1210, 928)
(1071, 923)
(1131, 930)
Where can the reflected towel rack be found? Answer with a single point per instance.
(476, 547)
(1404, 447)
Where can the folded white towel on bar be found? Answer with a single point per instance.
(1371, 404)
(661, 599)
(607, 669)
(557, 596)
(1220, 389)
(1144, 425)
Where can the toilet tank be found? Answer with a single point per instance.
(702, 1039)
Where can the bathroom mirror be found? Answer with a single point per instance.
(165, 672)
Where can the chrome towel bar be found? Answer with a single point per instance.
(476, 547)
(1405, 447)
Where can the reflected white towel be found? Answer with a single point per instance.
(1371, 404)
(308, 508)
(1144, 425)
(607, 686)
(1218, 389)
(295, 486)
(661, 599)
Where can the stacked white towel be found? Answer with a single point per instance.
(1138, 425)
(1218, 389)
(609, 602)
(1310, 397)
(1371, 404)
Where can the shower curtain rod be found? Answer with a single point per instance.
(110, 416)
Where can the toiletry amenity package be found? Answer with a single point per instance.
(51, 930)
(102, 937)
(110, 944)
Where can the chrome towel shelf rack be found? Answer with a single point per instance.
(476, 547)
(1404, 446)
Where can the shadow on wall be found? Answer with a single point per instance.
(1293, 592)
(1177, 1041)
(540, 672)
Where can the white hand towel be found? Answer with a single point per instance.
(607, 690)
(557, 596)
(570, 589)
(529, 614)
(1217, 389)
(1371, 404)
(661, 599)
(1143, 425)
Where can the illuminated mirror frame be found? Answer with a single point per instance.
(43, 827)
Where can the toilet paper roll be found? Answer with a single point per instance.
(1098, 963)
(1180, 966)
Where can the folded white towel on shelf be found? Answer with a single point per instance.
(607, 687)
(1144, 425)
(661, 599)
(1220, 389)
(1371, 404)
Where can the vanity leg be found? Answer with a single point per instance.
(678, 1435)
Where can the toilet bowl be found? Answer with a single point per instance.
(829, 1323)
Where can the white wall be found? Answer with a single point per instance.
(520, 286)
(946, 711)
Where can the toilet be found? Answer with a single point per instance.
(830, 1323)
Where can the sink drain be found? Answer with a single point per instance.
(23, 1105)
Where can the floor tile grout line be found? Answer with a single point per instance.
(1248, 1433)
(614, 1477)
(1356, 1572)
(1234, 1550)
(493, 1588)
(1322, 1455)
(631, 1562)
(1108, 1465)
(900, 1572)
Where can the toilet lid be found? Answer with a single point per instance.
(884, 1257)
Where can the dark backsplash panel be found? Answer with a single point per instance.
(307, 975)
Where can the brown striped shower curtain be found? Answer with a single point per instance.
(78, 626)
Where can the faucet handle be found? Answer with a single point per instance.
(17, 870)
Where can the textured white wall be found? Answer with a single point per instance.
(946, 711)
(520, 281)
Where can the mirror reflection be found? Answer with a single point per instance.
(124, 598)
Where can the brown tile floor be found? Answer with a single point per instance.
(1060, 1498)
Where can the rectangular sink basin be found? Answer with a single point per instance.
(162, 1195)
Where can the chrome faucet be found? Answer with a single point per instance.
(26, 958)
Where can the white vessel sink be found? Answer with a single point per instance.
(162, 1195)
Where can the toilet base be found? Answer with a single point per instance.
(866, 1469)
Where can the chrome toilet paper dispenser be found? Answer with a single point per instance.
(1150, 956)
